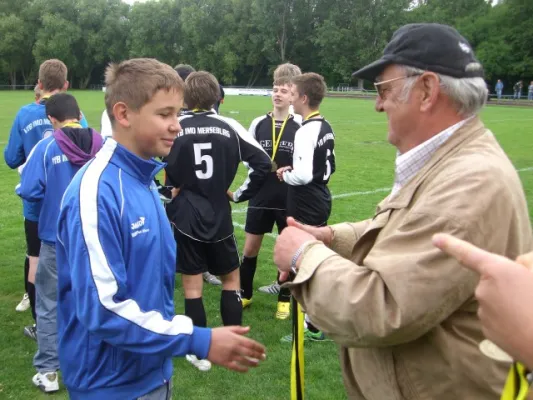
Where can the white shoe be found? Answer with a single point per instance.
(202, 365)
(273, 288)
(46, 382)
(24, 303)
(211, 279)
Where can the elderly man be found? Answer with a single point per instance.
(402, 312)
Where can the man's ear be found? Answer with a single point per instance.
(430, 90)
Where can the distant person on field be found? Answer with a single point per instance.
(530, 91)
(499, 88)
(30, 126)
(518, 89)
(37, 93)
(116, 255)
(402, 312)
(46, 174)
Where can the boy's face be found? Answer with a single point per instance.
(281, 96)
(298, 100)
(155, 126)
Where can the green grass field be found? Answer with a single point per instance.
(365, 169)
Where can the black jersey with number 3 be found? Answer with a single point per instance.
(309, 199)
(273, 194)
(202, 163)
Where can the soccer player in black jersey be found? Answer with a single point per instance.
(275, 133)
(202, 164)
(309, 199)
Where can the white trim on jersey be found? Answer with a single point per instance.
(305, 141)
(102, 274)
(253, 126)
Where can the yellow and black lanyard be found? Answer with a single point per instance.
(518, 383)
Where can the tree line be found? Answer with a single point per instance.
(241, 41)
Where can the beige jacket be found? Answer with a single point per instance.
(403, 313)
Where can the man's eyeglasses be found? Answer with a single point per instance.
(382, 90)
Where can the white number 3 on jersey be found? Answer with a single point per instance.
(327, 174)
(200, 159)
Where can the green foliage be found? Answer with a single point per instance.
(241, 41)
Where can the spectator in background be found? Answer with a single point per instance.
(530, 91)
(517, 90)
(499, 88)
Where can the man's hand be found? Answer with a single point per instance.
(174, 192)
(324, 234)
(504, 293)
(280, 172)
(232, 350)
(230, 195)
(287, 243)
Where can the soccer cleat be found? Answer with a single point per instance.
(211, 279)
(273, 288)
(308, 336)
(24, 303)
(46, 382)
(31, 332)
(284, 310)
(202, 365)
(246, 302)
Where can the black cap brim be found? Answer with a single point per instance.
(371, 71)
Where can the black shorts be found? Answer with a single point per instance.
(33, 244)
(195, 257)
(261, 220)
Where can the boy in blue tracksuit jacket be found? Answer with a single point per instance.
(116, 255)
(30, 126)
(52, 164)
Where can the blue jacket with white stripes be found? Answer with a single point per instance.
(116, 258)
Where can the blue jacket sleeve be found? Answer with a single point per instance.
(14, 151)
(90, 238)
(83, 121)
(33, 174)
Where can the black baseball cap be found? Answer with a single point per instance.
(430, 47)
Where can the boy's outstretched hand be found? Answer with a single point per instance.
(232, 350)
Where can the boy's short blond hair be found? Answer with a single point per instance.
(282, 81)
(287, 70)
(134, 82)
(53, 75)
(201, 90)
(313, 86)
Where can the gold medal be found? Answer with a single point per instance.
(274, 166)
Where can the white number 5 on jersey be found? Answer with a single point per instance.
(327, 174)
(200, 159)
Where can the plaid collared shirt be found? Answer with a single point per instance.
(410, 163)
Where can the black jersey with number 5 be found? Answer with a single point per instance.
(309, 199)
(202, 163)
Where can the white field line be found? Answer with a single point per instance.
(335, 196)
(340, 196)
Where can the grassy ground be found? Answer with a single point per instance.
(365, 163)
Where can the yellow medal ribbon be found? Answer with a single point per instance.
(297, 359)
(72, 125)
(276, 142)
(313, 114)
(199, 110)
(517, 384)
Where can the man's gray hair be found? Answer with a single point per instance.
(469, 95)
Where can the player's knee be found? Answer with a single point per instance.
(231, 281)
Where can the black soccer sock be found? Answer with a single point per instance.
(30, 287)
(194, 309)
(284, 295)
(247, 272)
(26, 273)
(231, 307)
(312, 328)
